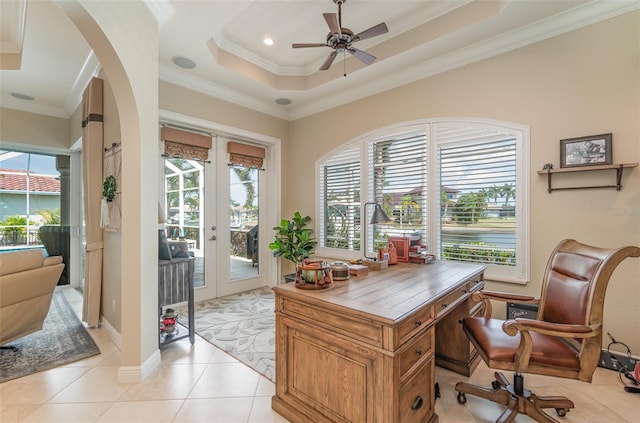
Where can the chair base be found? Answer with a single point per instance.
(526, 402)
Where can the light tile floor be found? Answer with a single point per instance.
(201, 383)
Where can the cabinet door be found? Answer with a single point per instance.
(328, 376)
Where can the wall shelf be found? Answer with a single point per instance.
(618, 168)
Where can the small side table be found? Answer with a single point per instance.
(175, 285)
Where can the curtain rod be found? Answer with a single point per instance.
(185, 158)
(113, 145)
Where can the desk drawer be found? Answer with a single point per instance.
(414, 323)
(419, 348)
(416, 397)
(445, 304)
(365, 331)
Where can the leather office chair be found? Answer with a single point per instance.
(564, 341)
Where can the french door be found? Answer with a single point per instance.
(217, 209)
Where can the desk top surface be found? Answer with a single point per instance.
(389, 294)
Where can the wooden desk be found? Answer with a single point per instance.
(364, 350)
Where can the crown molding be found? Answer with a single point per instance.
(90, 68)
(586, 15)
(160, 9)
(173, 76)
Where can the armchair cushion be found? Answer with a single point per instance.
(27, 282)
(19, 261)
(487, 336)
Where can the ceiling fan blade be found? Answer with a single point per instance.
(304, 45)
(364, 57)
(332, 21)
(327, 63)
(381, 28)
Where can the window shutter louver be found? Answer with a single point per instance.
(399, 184)
(340, 181)
(477, 180)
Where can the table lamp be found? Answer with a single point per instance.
(379, 216)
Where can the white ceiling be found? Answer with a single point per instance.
(225, 40)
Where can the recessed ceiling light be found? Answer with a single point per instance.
(183, 62)
(268, 41)
(23, 96)
(283, 101)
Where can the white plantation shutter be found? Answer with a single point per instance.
(462, 185)
(398, 181)
(340, 182)
(478, 200)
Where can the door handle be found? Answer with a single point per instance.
(213, 228)
(213, 238)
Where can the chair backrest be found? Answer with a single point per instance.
(575, 282)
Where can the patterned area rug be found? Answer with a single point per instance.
(62, 340)
(243, 325)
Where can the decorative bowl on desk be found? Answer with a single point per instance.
(313, 275)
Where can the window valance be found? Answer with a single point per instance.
(185, 144)
(245, 155)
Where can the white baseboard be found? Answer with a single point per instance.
(116, 338)
(131, 374)
(137, 374)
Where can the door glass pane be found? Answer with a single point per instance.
(184, 200)
(243, 212)
(29, 198)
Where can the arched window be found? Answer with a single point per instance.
(457, 189)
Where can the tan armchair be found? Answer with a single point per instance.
(27, 281)
(565, 340)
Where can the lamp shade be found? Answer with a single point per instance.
(379, 216)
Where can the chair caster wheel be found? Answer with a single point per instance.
(495, 384)
(562, 411)
(462, 398)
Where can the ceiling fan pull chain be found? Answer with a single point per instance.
(344, 63)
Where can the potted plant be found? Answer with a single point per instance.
(293, 241)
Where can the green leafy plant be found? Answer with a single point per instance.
(293, 241)
(109, 188)
(50, 216)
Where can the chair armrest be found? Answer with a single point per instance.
(52, 260)
(512, 327)
(486, 296)
(525, 326)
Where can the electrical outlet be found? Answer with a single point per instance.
(615, 361)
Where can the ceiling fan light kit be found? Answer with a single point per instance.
(341, 39)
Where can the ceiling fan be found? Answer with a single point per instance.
(341, 39)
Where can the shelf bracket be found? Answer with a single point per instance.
(619, 177)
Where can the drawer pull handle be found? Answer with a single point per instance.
(418, 323)
(417, 403)
(419, 352)
(464, 291)
(445, 305)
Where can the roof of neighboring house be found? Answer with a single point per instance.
(10, 180)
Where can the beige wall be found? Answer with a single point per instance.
(192, 103)
(19, 127)
(111, 254)
(582, 83)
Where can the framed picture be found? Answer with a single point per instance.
(586, 151)
(402, 247)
